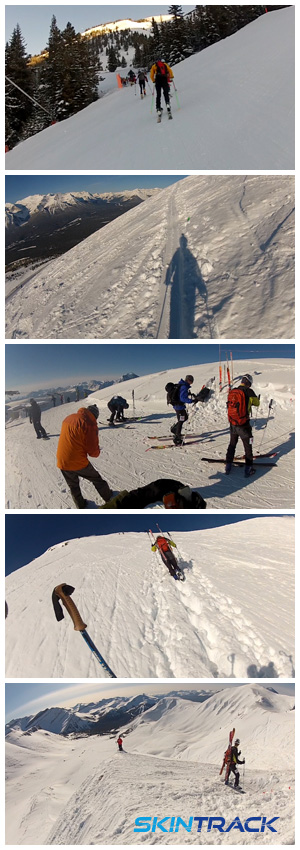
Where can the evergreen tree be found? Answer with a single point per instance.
(112, 59)
(18, 107)
(176, 11)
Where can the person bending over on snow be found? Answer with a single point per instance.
(35, 419)
(163, 545)
(239, 403)
(232, 763)
(183, 397)
(120, 743)
(116, 405)
(172, 493)
(142, 82)
(161, 74)
(78, 439)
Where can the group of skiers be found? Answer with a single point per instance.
(230, 761)
(79, 440)
(161, 76)
(240, 401)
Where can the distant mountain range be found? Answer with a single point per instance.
(101, 717)
(45, 226)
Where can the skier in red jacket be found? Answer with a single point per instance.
(120, 743)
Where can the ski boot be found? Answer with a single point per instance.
(159, 111)
(249, 471)
(80, 503)
(111, 424)
(178, 441)
(169, 112)
(228, 468)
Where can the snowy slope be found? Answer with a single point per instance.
(237, 112)
(218, 625)
(33, 481)
(82, 792)
(212, 257)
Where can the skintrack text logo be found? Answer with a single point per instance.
(173, 824)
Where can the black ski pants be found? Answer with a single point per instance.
(182, 417)
(142, 85)
(232, 768)
(162, 85)
(39, 430)
(170, 561)
(92, 475)
(245, 433)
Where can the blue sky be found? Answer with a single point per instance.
(30, 367)
(21, 186)
(35, 20)
(23, 699)
(29, 535)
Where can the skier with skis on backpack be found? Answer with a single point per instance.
(120, 744)
(142, 79)
(233, 760)
(35, 419)
(163, 546)
(161, 74)
(178, 395)
(117, 405)
(78, 439)
(239, 403)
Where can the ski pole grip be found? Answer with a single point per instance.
(63, 592)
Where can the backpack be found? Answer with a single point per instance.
(161, 69)
(237, 407)
(173, 393)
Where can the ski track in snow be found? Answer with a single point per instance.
(203, 259)
(224, 621)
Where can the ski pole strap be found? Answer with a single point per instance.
(62, 593)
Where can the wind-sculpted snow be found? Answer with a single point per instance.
(236, 112)
(82, 792)
(33, 481)
(209, 257)
(221, 622)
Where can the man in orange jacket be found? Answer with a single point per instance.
(78, 439)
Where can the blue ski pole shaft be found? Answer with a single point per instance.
(97, 654)
(176, 95)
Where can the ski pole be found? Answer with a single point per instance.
(268, 417)
(63, 592)
(176, 95)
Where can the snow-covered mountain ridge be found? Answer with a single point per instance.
(21, 211)
(212, 625)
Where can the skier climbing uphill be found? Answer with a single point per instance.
(163, 546)
(178, 395)
(78, 439)
(233, 760)
(120, 744)
(142, 82)
(239, 403)
(161, 74)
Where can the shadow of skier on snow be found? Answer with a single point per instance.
(268, 671)
(186, 280)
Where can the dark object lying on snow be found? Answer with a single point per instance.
(173, 493)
